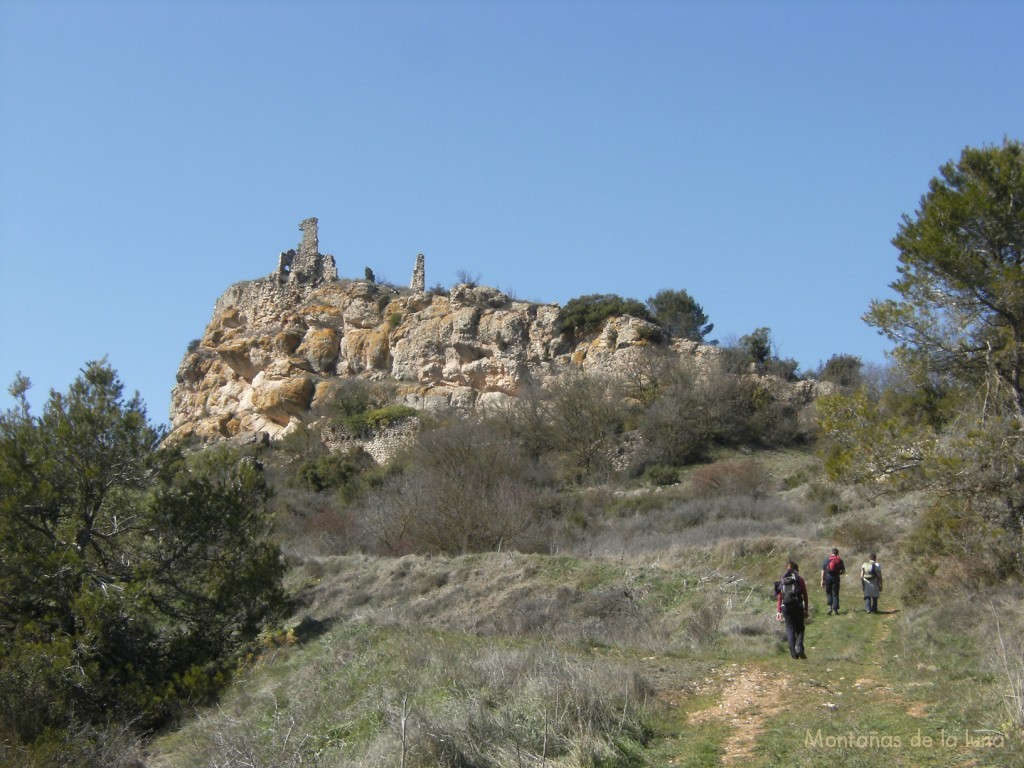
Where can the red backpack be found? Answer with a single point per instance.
(836, 566)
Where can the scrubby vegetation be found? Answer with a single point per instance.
(587, 314)
(131, 575)
(581, 578)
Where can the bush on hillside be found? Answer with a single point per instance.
(730, 478)
(659, 474)
(571, 426)
(354, 396)
(464, 489)
(842, 370)
(588, 314)
(644, 375)
(584, 415)
(680, 426)
(753, 354)
(367, 423)
(334, 472)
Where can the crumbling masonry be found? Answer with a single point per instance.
(308, 266)
(419, 276)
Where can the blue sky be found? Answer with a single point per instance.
(758, 155)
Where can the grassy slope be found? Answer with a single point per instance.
(678, 642)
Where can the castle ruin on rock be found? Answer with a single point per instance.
(280, 346)
(279, 349)
(308, 266)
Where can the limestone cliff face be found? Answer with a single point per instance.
(280, 346)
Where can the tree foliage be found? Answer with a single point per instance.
(680, 314)
(961, 308)
(864, 440)
(758, 345)
(588, 314)
(127, 574)
(753, 353)
(842, 370)
(958, 327)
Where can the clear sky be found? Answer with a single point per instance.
(758, 155)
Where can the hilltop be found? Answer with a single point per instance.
(279, 348)
(602, 598)
(450, 528)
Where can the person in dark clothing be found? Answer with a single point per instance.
(793, 605)
(832, 569)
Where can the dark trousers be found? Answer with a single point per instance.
(794, 629)
(832, 592)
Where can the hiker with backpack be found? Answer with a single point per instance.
(794, 606)
(871, 579)
(832, 568)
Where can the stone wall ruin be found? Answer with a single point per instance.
(419, 275)
(307, 266)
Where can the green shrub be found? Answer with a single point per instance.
(587, 314)
(972, 549)
(842, 370)
(736, 360)
(659, 474)
(680, 315)
(356, 395)
(79, 746)
(651, 334)
(366, 423)
(334, 471)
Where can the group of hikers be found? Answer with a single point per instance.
(793, 604)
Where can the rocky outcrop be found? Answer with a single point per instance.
(277, 347)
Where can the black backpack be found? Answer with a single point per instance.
(790, 589)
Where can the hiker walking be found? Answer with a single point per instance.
(832, 568)
(871, 579)
(793, 606)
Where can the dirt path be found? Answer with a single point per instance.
(749, 697)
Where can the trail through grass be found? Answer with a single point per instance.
(853, 702)
(669, 662)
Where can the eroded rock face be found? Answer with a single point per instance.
(270, 347)
(277, 348)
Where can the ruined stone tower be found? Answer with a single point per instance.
(308, 266)
(419, 276)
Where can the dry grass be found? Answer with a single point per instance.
(403, 699)
(692, 524)
(732, 477)
(512, 659)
